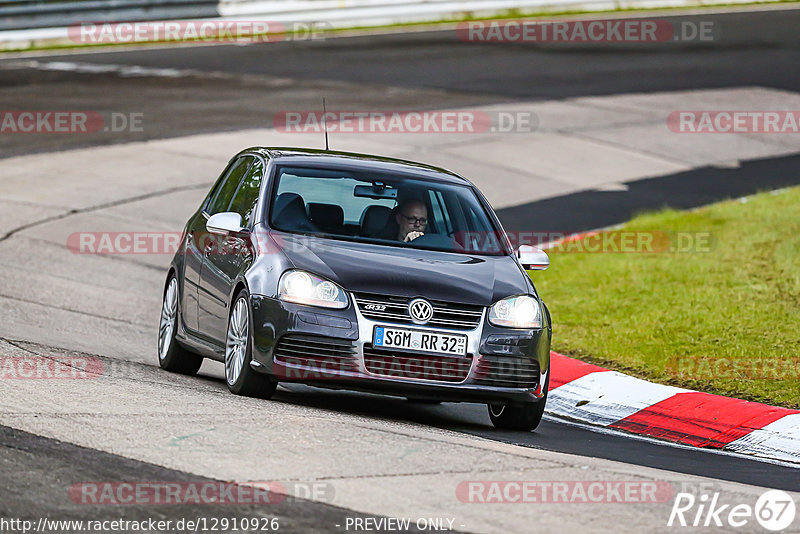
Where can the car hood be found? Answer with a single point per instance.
(400, 271)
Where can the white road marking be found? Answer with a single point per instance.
(112, 68)
(605, 397)
(780, 439)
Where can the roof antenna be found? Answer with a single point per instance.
(325, 122)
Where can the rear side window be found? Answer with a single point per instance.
(244, 202)
(227, 188)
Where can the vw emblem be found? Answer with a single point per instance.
(420, 311)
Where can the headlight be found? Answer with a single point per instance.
(305, 288)
(516, 312)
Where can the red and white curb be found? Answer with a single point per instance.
(590, 394)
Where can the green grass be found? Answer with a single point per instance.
(679, 317)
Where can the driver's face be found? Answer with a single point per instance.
(412, 218)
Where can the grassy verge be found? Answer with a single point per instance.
(708, 299)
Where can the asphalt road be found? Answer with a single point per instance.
(36, 468)
(591, 209)
(746, 48)
(555, 435)
(254, 82)
(413, 70)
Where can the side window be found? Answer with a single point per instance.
(439, 219)
(246, 198)
(476, 222)
(483, 239)
(217, 185)
(227, 188)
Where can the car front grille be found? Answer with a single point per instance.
(506, 372)
(326, 355)
(398, 364)
(395, 309)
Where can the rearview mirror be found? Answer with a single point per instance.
(223, 223)
(378, 190)
(532, 258)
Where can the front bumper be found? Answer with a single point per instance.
(332, 348)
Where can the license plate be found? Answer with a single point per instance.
(418, 340)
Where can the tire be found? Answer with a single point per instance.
(526, 417)
(171, 355)
(240, 377)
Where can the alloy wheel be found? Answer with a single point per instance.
(236, 346)
(168, 312)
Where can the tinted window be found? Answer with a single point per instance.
(398, 210)
(244, 202)
(227, 188)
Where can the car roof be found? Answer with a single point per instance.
(355, 161)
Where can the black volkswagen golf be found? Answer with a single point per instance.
(357, 272)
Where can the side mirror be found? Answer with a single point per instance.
(227, 222)
(532, 258)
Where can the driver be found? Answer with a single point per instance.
(412, 217)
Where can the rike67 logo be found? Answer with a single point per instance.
(774, 510)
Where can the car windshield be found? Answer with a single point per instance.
(376, 207)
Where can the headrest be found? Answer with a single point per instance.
(290, 213)
(374, 220)
(326, 216)
(283, 200)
